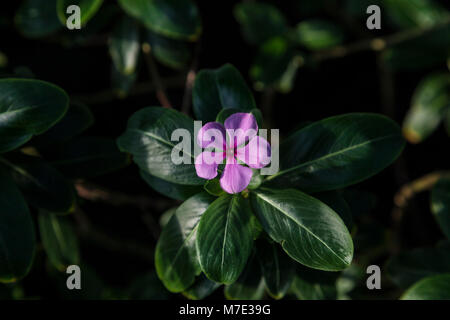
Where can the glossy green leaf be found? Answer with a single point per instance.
(148, 139)
(148, 287)
(171, 53)
(213, 187)
(440, 204)
(335, 201)
(88, 8)
(277, 268)
(17, 238)
(88, 157)
(122, 83)
(415, 13)
(37, 18)
(271, 62)
(27, 108)
(338, 151)
(318, 34)
(259, 21)
(175, 257)
(166, 216)
(431, 288)
(249, 285)
(202, 288)
(307, 229)
(59, 240)
(42, 185)
(177, 19)
(311, 284)
(409, 267)
(429, 103)
(77, 119)
(224, 238)
(124, 45)
(169, 189)
(218, 89)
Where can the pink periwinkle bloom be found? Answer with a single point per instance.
(237, 140)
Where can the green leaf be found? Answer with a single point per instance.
(222, 88)
(338, 151)
(277, 268)
(148, 139)
(122, 83)
(37, 18)
(202, 288)
(124, 46)
(259, 21)
(213, 187)
(307, 229)
(87, 157)
(318, 34)
(77, 119)
(440, 204)
(431, 288)
(171, 53)
(175, 257)
(88, 8)
(335, 201)
(59, 240)
(177, 19)
(169, 189)
(429, 103)
(415, 13)
(411, 266)
(17, 238)
(224, 238)
(311, 284)
(27, 108)
(271, 61)
(249, 285)
(41, 184)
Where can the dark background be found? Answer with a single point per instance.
(349, 84)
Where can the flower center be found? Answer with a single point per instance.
(230, 152)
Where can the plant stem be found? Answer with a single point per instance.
(424, 183)
(88, 231)
(378, 43)
(153, 70)
(190, 79)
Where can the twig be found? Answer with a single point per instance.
(87, 231)
(92, 192)
(376, 44)
(190, 79)
(145, 204)
(153, 70)
(408, 191)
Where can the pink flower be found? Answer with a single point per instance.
(230, 143)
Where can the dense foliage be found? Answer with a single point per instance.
(308, 231)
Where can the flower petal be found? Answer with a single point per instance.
(206, 164)
(235, 178)
(242, 127)
(256, 154)
(212, 135)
